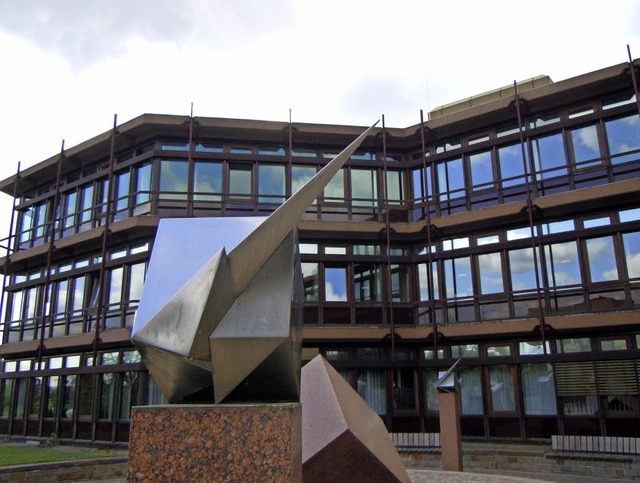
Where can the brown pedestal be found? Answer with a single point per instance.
(450, 438)
(260, 442)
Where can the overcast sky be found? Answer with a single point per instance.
(67, 66)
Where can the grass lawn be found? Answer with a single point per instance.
(12, 453)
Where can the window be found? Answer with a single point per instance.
(207, 181)
(372, 387)
(404, 390)
(623, 135)
(122, 195)
(563, 267)
(240, 181)
(631, 243)
(538, 389)
(129, 393)
(143, 184)
(466, 350)
(5, 402)
(457, 277)
(490, 267)
(533, 348)
(107, 395)
(300, 176)
(421, 185)
(549, 156)
(430, 391)
(367, 282)
(451, 179)
(335, 284)
(425, 279)
(501, 389)
(400, 283)
(173, 179)
(470, 390)
(481, 170)
(586, 146)
(52, 397)
(602, 259)
(568, 346)
(395, 187)
(310, 281)
(613, 345)
(271, 183)
(334, 191)
(86, 205)
(364, 187)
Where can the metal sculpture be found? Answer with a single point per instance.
(218, 326)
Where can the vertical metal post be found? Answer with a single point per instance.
(190, 167)
(7, 260)
(432, 303)
(101, 308)
(534, 245)
(385, 204)
(290, 159)
(634, 78)
(47, 278)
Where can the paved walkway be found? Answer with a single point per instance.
(421, 476)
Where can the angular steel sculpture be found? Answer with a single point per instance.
(343, 439)
(213, 326)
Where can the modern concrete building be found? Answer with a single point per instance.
(504, 230)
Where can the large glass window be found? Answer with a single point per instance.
(451, 179)
(174, 179)
(364, 187)
(207, 181)
(107, 395)
(501, 385)
(367, 282)
(602, 259)
(457, 275)
(300, 176)
(522, 269)
(372, 387)
(240, 180)
(631, 243)
(70, 206)
(310, 281)
(430, 391)
(86, 204)
(334, 191)
(623, 135)
(395, 187)
(122, 194)
(143, 184)
(335, 284)
(136, 281)
(68, 396)
(549, 156)
(490, 266)
(400, 283)
(586, 146)
(5, 402)
(511, 166)
(271, 183)
(425, 279)
(481, 170)
(470, 390)
(404, 389)
(52, 396)
(563, 267)
(538, 389)
(129, 393)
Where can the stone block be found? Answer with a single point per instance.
(343, 438)
(222, 443)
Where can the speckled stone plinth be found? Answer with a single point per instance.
(260, 442)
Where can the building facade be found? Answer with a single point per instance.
(504, 230)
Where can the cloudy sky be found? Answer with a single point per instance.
(69, 65)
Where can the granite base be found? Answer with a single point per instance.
(260, 442)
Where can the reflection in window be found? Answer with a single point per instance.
(129, 391)
(334, 191)
(335, 284)
(395, 188)
(465, 350)
(533, 348)
(451, 179)
(457, 277)
(490, 266)
(173, 179)
(300, 176)
(580, 405)
(107, 396)
(207, 181)
(586, 146)
(240, 180)
(143, 184)
(568, 346)
(400, 283)
(470, 390)
(613, 345)
(404, 389)
(623, 135)
(271, 183)
(430, 391)
(425, 279)
(372, 387)
(602, 259)
(364, 187)
(310, 281)
(538, 389)
(501, 384)
(631, 243)
(549, 156)
(481, 170)
(562, 264)
(367, 282)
